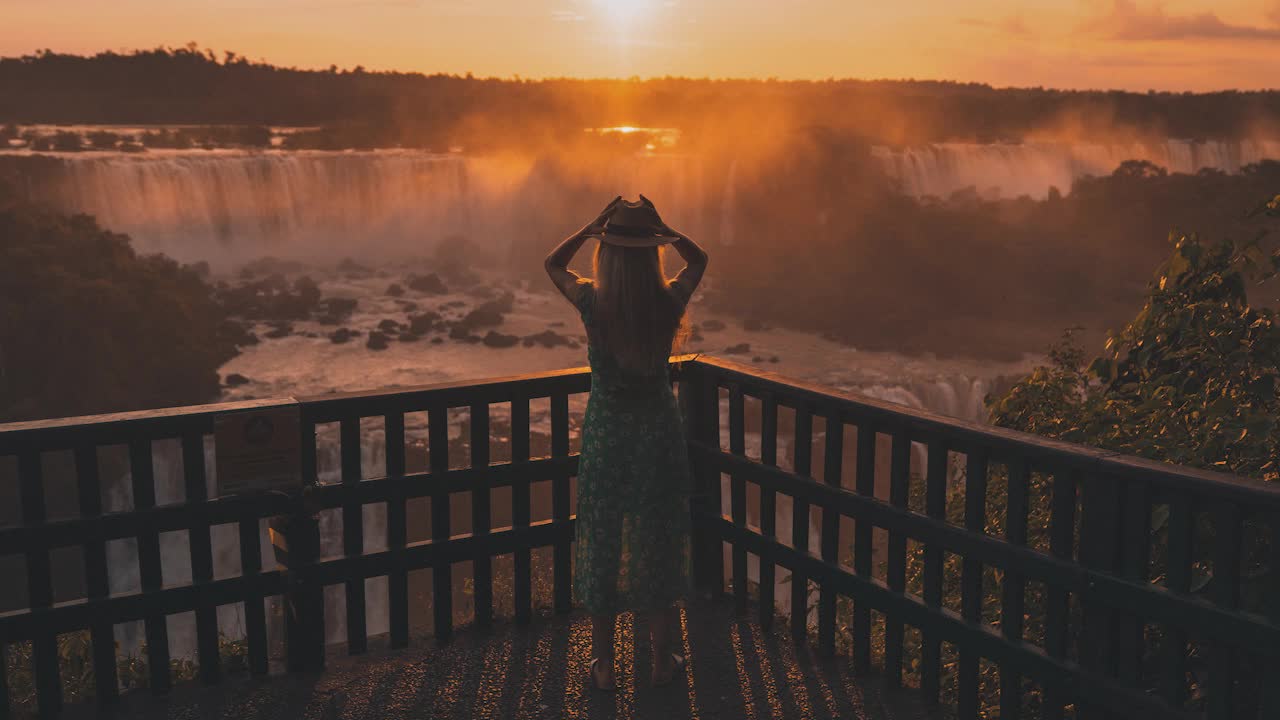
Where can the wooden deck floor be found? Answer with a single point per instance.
(735, 670)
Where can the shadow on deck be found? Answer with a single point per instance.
(735, 670)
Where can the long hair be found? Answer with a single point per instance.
(636, 318)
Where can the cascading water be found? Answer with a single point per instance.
(1031, 168)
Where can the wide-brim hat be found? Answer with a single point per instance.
(635, 224)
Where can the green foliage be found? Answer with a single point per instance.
(89, 325)
(1192, 379)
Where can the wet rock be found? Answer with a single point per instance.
(558, 323)
(458, 332)
(473, 338)
(431, 284)
(201, 268)
(340, 336)
(695, 337)
(773, 359)
(711, 325)
(437, 340)
(407, 305)
(272, 298)
(351, 267)
(547, 339)
(757, 359)
(376, 341)
(408, 337)
(739, 349)
(269, 265)
(236, 380)
(425, 323)
(389, 327)
(499, 340)
(279, 330)
(395, 290)
(335, 310)
(483, 292)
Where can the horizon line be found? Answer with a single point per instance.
(517, 77)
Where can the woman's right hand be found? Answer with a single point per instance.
(596, 227)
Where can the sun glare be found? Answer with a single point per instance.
(624, 10)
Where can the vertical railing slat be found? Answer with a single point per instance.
(520, 508)
(864, 484)
(1173, 647)
(738, 495)
(353, 534)
(155, 626)
(441, 572)
(255, 616)
(1062, 520)
(481, 562)
(1013, 591)
(710, 482)
(201, 558)
(97, 587)
(397, 532)
(896, 570)
(975, 506)
(561, 552)
(768, 507)
(44, 648)
(1099, 550)
(1135, 554)
(1225, 590)
(1269, 700)
(832, 469)
(935, 507)
(802, 458)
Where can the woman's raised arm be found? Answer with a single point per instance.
(557, 262)
(695, 259)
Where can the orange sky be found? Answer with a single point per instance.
(1129, 44)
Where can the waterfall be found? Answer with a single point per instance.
(1031, 168)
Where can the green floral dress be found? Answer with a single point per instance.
(632, 549)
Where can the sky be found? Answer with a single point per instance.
(1089, 44)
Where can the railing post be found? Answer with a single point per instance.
(296, 538)
(700, 409)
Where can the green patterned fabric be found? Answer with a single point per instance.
(632, 550)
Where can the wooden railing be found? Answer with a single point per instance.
(301, 584)
(1088, 606)
(1116, 641)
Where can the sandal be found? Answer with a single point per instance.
(596, 682)
(677, 665)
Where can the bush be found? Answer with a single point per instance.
(88, 325)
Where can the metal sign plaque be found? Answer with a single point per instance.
(258, 450)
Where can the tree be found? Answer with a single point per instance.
(87, 325)
(1191, 380)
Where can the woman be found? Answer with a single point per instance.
(632, 551)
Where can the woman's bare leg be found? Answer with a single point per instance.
(602, 627)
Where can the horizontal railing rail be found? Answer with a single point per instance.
(1118, 627)
(988, 567)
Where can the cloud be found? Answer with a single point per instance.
(1129, 22)
(567, 16)
(1273, 13)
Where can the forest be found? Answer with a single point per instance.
(356, 107)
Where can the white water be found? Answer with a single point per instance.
(1031, 168)
(227, 206)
